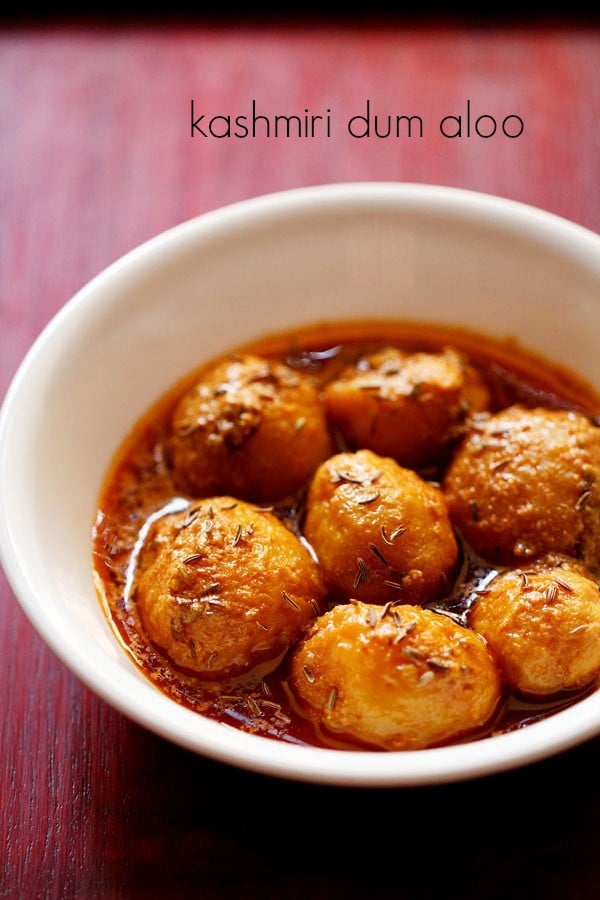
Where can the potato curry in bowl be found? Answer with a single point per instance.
(366, 536)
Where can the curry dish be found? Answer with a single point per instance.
(376, 535)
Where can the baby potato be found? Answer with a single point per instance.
(395, 678)
(525, 482)
(405, 405)
(252, 427)
(225, 586)
(380, 531)
(543, 623)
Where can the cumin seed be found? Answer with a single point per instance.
(270, 704)
(309, 674)
(362, 573)
(375, 549)
(454, 617)
(190, 518)
(191, 560)
(254, 707)
(315, 606)
(583, 500)
(339, 477)
(563, 584)
(384, 537)
(438, 664)
(370, 499)
(289, 600)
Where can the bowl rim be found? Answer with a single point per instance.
(457, 762)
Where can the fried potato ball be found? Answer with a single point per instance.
(225, 586)
(397, 678)
(524, 482)
(380, 532)
(405, 405)
(252, 428)
(543, 623)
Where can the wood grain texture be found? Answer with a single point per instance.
(96, 157)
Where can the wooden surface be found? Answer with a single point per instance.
(96, 157)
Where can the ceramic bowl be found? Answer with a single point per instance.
(339, 252)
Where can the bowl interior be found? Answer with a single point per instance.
(343, 252)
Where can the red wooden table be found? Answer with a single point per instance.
(96, 156)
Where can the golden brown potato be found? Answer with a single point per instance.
(225, 586)
(397, 677)
(252, 428)
(525, 482)
(380, 532)
(405, 405)
(543, 623)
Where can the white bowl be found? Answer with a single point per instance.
(405, 251)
